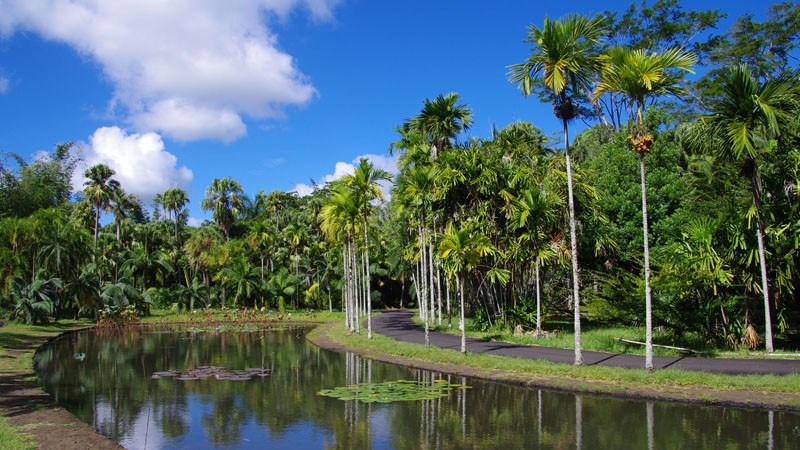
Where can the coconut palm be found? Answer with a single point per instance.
(99, 189)
(742, 122)
(563, 57)
(365, 184)
(226, 201)
(640, 78)
(440, 121)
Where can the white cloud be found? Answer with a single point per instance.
(342, 169)
(142, 165)
(3, 84)
(190, 69)
(194, 222)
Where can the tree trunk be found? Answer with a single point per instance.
(538, 301)
(576, 301)
(463, 325)
(366, 272)
(96, 226)
(648, 302)
(762, 257)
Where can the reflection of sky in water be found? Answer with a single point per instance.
(284, 412)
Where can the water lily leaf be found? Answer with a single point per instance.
(392, 391)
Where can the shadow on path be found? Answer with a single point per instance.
(398, 324)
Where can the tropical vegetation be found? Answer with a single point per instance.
(516, 230)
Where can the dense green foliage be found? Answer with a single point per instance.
(484, 217)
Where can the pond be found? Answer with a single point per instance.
(106, 380)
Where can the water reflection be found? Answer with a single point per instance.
(113, 390)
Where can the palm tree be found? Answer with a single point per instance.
(225, 198)
(242, 278)
(99, 189)
(741, 123)
(440, 121)
(641, 78)
(534, 212)
(461, 249)
(563, 56)
(174, 200)
(282, 285)
(338, 219)
(63, 250)
(260, 239)
(34, 301)
(417, 190)
(365, 182)
(122, 205)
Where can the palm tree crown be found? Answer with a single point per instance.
(225, 198)
(440, 121)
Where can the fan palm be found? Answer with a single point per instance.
(99, 190)
(741, 123)
(226, 201)
(563, 56)
(174, 200)
(642, 77)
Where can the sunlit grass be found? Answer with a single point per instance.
(11, 438)
(602, 338)
(604, 379)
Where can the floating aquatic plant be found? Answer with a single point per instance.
(392, 391)
(219, 373)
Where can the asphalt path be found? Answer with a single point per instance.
(398, 324)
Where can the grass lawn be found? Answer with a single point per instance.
(11, 438)
(605, 339)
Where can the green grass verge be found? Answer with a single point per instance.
(604, 339)
(611, 378)
(25, 339)
(11, 438)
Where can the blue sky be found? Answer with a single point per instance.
(269, 92)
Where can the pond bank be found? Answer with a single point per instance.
(29, 409)
(623, 383)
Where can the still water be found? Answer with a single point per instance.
(112, 388)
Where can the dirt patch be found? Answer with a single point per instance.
(25, 405)
(742, 399)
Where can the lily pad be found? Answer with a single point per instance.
(392, 391)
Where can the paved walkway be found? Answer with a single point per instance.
(399, 325)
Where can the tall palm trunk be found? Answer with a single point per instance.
(538, 301)
(574, 249)
(463, 325)
(648, 301)
(366, 273)
(760, 227)
(96, 227)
